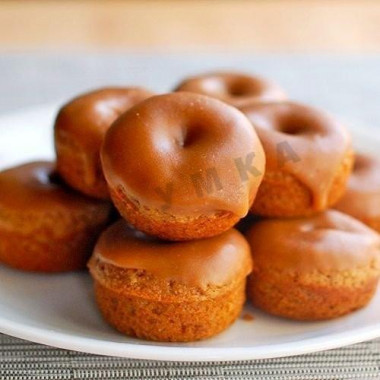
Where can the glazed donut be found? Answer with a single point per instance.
(309, 159)
(182, 166)
(167, 291)
(362, 198)
(313, 268)
(79, 131)
(45, 226)
(234, 88)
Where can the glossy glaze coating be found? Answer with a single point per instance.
(185, 153)
(362, 199)
(35, 187)
(79, 131)
(213, 261)
(234, 88)
(303, 142)
(328, 242)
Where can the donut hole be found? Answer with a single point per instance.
(190, 135)
(239, 89)
(46, 177)
(234, 87)
(359, 164)
(54, 178)
(291, 129)
(292, 126)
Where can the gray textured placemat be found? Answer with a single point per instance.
(347, 86)
(21, 360)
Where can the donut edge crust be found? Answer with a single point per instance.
(166, 226)
(312, 297)
(282, 195)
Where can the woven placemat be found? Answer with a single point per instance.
(21, 360)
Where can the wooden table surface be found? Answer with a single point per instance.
(181, 25)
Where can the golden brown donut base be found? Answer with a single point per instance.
(140, 283)
(52, 242)
(45, 226)
(314, 268)
(283, 195)
(312, 297)
(72, 162)
(158, 307)
(182, 321)
(45, 254)
(170, 227)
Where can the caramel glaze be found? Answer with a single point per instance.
(362, 199)
(234, 88)
(35, 187)
(214, 261)
(154, 150)
(86, 119)
(328, 242)
(319, 144)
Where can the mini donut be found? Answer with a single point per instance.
(309, 159)
(182, 166)
(79, 130)
(234, 88)
(165, 291)
(314, 268)
(44, 226)
(362, 198)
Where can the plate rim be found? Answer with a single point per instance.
(185, 354)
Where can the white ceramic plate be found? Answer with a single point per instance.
(59, 310)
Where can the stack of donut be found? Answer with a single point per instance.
(181, 170)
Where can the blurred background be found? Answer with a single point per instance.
(324, 52)
(182, 25)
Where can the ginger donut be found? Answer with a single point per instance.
(79, 130)
(313, 268)
(309, 159)
(165, 291)
(236, 89)
(44, 226)
(182, 166)
(362, 198)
